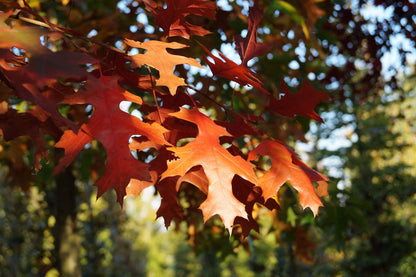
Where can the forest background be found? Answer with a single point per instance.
(362, 53)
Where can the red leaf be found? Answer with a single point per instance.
(218, 164)
(228, 69)
(287, 167)
(301, 103)
(248, 47)
(168, 188)
(172, 19)
(178, 129)
(248, 194)
(113, 128)
(28, 79)
(240, 126)
(51, 65)
(169, 206)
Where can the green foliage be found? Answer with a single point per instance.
(369, 216)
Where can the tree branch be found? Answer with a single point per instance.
(62, 30)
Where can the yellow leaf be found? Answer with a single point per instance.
(288, 7)
(305, 30)
(32, 4)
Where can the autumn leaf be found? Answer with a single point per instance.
(228, 69)
(248, 47)
(249, 194)
(287, 167)
(43, 63)
(173, 21)
(52, 65)
(219, 166)
(302, 103)
(321, 188)
(159, 58)
(242, 125)
(113, 128)
(28, 79)
(196, 176)
(22, 37)
(169, 207)
(168, 188)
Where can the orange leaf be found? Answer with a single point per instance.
(218, 164)
(158, 57)
(287, 167)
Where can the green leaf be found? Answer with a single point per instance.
(291, 11)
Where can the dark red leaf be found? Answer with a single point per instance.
(172, 19)
(302, 103)
(228, 69)
(248, 47)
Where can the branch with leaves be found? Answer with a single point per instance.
(232, 181)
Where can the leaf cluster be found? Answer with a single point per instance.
(176, 132)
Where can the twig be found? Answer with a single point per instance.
(43, 24)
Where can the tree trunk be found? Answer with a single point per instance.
(210, 265)
(67, 242)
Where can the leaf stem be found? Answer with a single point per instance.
(187, 92)
(154, 94)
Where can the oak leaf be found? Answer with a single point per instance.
(169, 207)
(302, 103)
(172, 19)
(248, 47)
(168, 188)
(28, 78)
(287, 167)
(159, 58)
(219, 166)
(228, 69)
(242, 124)
(113, 128)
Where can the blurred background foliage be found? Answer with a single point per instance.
(361, 52)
